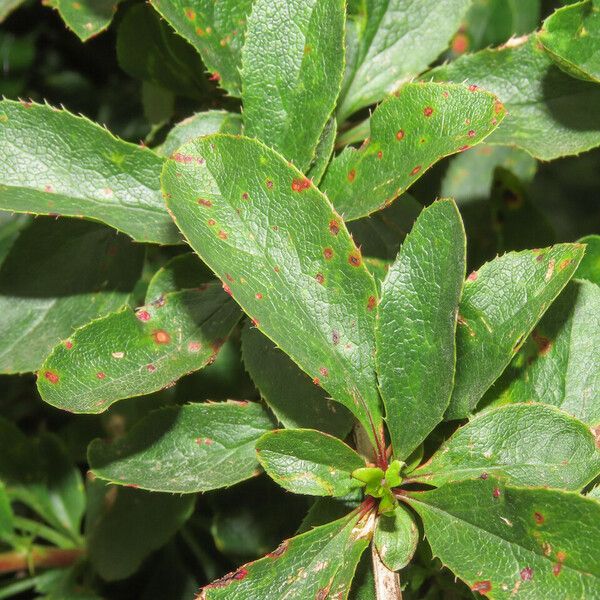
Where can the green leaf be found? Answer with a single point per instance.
(571, 36)
(310, 565)
(498, 539)
(523, 444)
(131, 353)
(500, 305)
(199, 124)
(323, 152)
(85, 18)
(215, 29)
(416, 326)
(294, 399)
(397, 40)
(7, 7)
(565, 370)
(408, 134)
(305, 461)
(124, 526)
(396, 537)
(6, 515)
(292, 67)
(108, 180)
(470, 174)
(39, 474)
(148, 49)
(589, 267)
(58, 276)
(192, 448)
(286, 257)
(183, 272)
(549, 114)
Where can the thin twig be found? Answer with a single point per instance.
(38, 557)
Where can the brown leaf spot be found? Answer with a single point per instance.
(101, 375)
(160, 336)
(300, 184)
(229, 578)
(354, 259)
(415, 170)
(543, 343)
(204, 202)
(319, 277)
(483, 587)
(483, 476)
(194, 346)
(316, 381)
(258, 296)
(496, 493)
(143, 315)
(564, 264)
(211, 222)
(150, 368)
(51, 377)
(400, 134)
(473, 87)
(334, 227)
(335, 336)
(380, 154)
(245, 196)
(538, 518)
(371, 303)
(281, 549)
(428, 111)
(526, 574)
(351, 175)
(473, 276)
(216, 76)
(471, 133)
(222, 235)
(227, 289)
(269, 184)
(328, 253)
(324, 371)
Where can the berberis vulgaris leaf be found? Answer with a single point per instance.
(409, 132)
(215, 29)
(503, 540)
(292, 66)
(107, 179)
(286, 256)
(416, 326)
(193, 448)
(317, 564)
(305, 461)
(522, 444)
(396, 40)
(131, 353)
(500, 305)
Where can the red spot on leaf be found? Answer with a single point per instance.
(204, 202)
(216, 76)
(496, 493)
(460, 44)
(204, 441)
(143, 315)
(229, 578)
(300, 184)
(471, 133)
(400, 134)
(564, 264)
(211, 222)
(416, 170)
(258, 296)
(255, 322)
(151, 368)
(498, 106)
(190, 14)
(483, 476)
(334, 227)
(317, 381)
(51, 377)
(335, 336)
(222, 235)
(194, 346)
(526, 574)
(428, 111)
(463, 148)
(227, 289)
(319, 277)
(371, 303)
(328, 253)
(324, 371)
(187, 159)
(351, 175)
(68, 344)
(281, 549)
(473, 87)
(160, 336)
(538, 518)
(354, 259)
(483, 587)
(228, 277)
(380, 154)
(101, 375)
(473, 276)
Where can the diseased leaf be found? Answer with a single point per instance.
(499, 539)
(397, 40)
(500, 305)
(323, 152)
(131, 353)
(59, 275)
(589, 267)
(215, 29)
(294, 399)
(85, 18)
(199, 124)
(124, 526)
(549, 114)
(565, 370)
(286, 257)
(305, 461)
(39, 474)
(148, 49)
(572, 38)
(396, 537)
(107, 179)
(292, 67)
(416, 326)
(408, 134)
(185, 449)
(326, 556)
(522, 444)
